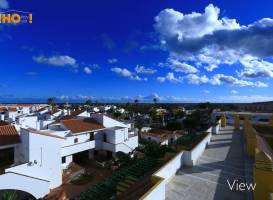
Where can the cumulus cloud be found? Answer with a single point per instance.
(207, 40)
(161, 79)
(4, 4)
(112, 60)
(178, 66)
(127, 73)
(256, 68)
(234, 92)
(59, 61)
(197, 80)
(220, 79)
(144, 70)
(170, 77)
(87, 70)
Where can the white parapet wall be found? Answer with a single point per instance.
(216, 127)
(157, 192)
(190, 157)
(165, 173)
(36, 187)
(170, 168)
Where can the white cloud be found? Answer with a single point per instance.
(112, 60)
(128, 74)
(56, 60)
(170, 77)
(144, 70)
(194, 79)
(256, 68)
(234, 92)
(4, 4)
(122, 72)
(161, 79)
(178, 66)
(206, 91)
(171, 23)
(220, 79)
(208, 41)
(87, 70)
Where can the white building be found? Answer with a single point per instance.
(41, 155)
(159, 136)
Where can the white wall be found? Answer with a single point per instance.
(107, 121)
(84, 137)
(76, 148)
(169, 169)
(47, 153)
(37, 188)
(29, 121)
(190, 157)
(158, 193)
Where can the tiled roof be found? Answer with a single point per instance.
(54, 111)
(162, 134)
(81, 125)
(42, 109)
(12, 109)
(45, 133)
(8, 135)
(3, 109)
(24, 105)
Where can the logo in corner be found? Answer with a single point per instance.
(15, 17)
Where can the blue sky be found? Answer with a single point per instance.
(177, 51)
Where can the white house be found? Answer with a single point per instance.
(159, 136)
(41, 155)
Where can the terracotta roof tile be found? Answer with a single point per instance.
(12, 109)
(45, 133)
(81, 125)
(3, 109)
(8, 135)
(162, 134)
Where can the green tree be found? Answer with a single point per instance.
(88, 102)
(51, 101)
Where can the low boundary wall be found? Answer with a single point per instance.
(161, 177)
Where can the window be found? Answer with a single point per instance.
(63, 159)
(76, 140)
(104, 137)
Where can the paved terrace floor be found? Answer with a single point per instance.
(224, 158)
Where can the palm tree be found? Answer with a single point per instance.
(155, 100)
(88, 102)
(51, 101)
(136, 101)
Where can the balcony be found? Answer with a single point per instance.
(76, 148)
